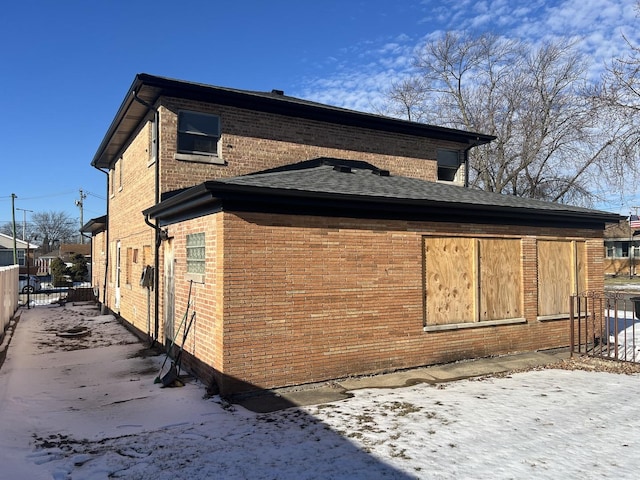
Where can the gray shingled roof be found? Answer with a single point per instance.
(365, 181)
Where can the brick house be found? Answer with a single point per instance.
(25, 252)
(315, 242)
(622, 249)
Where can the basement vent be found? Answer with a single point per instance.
(342, 168)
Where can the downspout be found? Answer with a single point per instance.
(156, 266)
(466, 161)
(158, 231)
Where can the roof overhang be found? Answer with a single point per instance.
(95, 225)
(214, 196)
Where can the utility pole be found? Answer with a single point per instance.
(24, 221)
(80, 205)
(13, 218)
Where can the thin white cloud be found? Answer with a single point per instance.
(597, 24)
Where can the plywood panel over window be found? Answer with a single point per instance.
(561, 273)
(500, 279)
(449, 267)
(470, 280)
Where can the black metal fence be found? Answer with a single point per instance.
(60, 296)
(606, 326)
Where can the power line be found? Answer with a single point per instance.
(94, 195)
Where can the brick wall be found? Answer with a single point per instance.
(308, 299)
(250, 142)
(289, 300)
(98, 263)
(131, 191)
(254, 141)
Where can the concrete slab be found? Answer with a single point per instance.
(339, 390)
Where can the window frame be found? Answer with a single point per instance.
(199, 244)
(577, 270)
(476, 275)
(444, 164)
(184, 134)
(21, 255)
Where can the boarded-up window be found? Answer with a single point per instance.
(561, 273)
(472, 280)
(449, 268)
(129, 266)
(500, 279)
(146, 255)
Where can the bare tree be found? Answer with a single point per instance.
(552, 141)
(619, 97)
(46, 229)
(52, 228)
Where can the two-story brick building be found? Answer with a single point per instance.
(315, 242)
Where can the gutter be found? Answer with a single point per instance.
(475, 143)
(212, 195)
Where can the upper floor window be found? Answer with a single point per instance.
(198, 133)
(448, 165)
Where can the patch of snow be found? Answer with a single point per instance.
(95, 413)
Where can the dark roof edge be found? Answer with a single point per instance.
(215, 192)
(278, 104)
(95, 225)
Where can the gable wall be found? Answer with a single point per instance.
(250, 142)
(254, 141)
(131, 190)
(308, 299)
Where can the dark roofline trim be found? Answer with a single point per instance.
(214, 196)
(95, 225)
(150, 88)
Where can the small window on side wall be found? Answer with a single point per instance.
(196, 256)
(198, 133)
(448, 165)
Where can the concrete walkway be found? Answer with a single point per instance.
(284, 398)
(278, 399)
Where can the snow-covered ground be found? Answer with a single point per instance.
(72, 412)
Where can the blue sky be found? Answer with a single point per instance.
(66, 65)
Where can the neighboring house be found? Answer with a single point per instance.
(24, 250)
(43, 262)
(622, 249)
(66, 252)
(315, 242)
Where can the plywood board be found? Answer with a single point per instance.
(556, 276)
(581, 267)
(500, 289)
(449, 278)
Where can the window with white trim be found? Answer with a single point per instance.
(20, 256)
